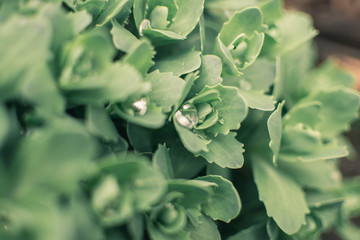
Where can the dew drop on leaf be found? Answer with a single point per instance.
(187, 116)
(140, 107)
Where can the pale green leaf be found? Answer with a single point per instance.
(140, 56)
(99, 123)
(274, 124)
(210, 71)
(206, 230)
(190, 140)
(339, 107)
(225, 204)
(232, 109)
(122, 38)
(180, 64)
(225, 151)
(258, 100)
(283, 198)
(166, 89)
(153, 117)
(162, 162)
(114, 7)
(255, 232)
(320, 174)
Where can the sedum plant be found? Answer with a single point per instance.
(170, 119)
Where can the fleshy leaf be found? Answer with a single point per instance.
(320, 174)
(232, 109)
(225, 204)
(117, 83)
(113, 8)
(280, 193)
(258, 100)
(140, 56)
(152, 118)
(206, 230)
(254, 232)
(180, 64)
(210, 71)
(275, 131)
(332, 102)
(191, 141)
(122, 38)
(240, 39)
(225, 151)
(162, 162)
(99, 123)
(166, 89)
(17, 59)
(4, 124)
(195, 192)
(185, 164)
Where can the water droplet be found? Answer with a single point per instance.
(187, 116)
(140, 106)
(221, 121)
(144, 25)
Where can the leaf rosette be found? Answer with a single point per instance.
(165, 21)
(240, 40)
(204, 123)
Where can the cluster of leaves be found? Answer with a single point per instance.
(120, 119)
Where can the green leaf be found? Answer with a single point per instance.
(166, 89)
(189, 81)
(162, 162)
(113, 7)
(231, 109)
(333, 101)
(225, 151)
(187, 16)
(39, 88)
(260, 75)
(99, 123)
(185, 164)
(152, 118)
(255, 232)
(295, 29)
(206, 230)
(122, 38)
(191, 141)
(17, 58)
(180, 64)
(274, 124)
(240, 39)
(195, 192)
(225, 204)
(140, 56)
(245, 22)
(348, 231)
(88, 54)
(320, 174)
(158, 17)
(183, 16)
(117, 83)
(149, 186)
(307, 113)
(4, 124)
(80, 20)
(327, 75)
(280, 194)
(258, 100)
(210, 71)
(56, 149)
